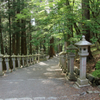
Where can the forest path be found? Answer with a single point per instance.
(42, 81)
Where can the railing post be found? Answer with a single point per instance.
(32, 58)
(38, 57)
(18, 60)
(68, 64)
(13, 60)
(23, 60)
(83, 53)
(7, 62)
(27, 58)
(1, 67)
(63, 61)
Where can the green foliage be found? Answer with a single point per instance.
(96, 73)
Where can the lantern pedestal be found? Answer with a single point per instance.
(82, 82)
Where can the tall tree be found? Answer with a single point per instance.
(23, 33)
(18, 29)
(85, 28)
(14, 28)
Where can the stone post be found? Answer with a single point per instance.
(83, 53)
(23, 60)
(63, 62)
(38, 57)
(71, 49)
(27, 59)
(68, 64)
(1, 69)
(42, 54)
(18, 60)
(7, 62)
(32, 58)
(13, 60)
(60, 59)
(35, 58)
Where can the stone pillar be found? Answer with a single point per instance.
(13, 60)
(60, 59)
(7, 63)
(32, 59)
(83, 52)
(27, 59)
(70, 71)
(23, 61)
(38, 57)
(35, 58)
(18, 60)
(68, 64)
(71, 75)
(64, 67)
(1, 69)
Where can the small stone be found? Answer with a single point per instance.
(39, 98)
(89, 92)
(52, 98)
(96, 92)
(83, 93)
(75, 86)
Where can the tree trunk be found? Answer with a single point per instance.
(18, 30)
(14, 36)
(51, 50)
(1, 40)
(85, 29)
(23, 34)
(9, 18)
(23, 38)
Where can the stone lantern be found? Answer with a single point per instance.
(83, 53)
(7, 62)
(70, 72)
(13, 60)
(1, 69)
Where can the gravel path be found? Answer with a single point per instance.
(43, 81)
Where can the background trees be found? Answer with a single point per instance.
(58, 23)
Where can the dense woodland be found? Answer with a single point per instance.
(57, 24)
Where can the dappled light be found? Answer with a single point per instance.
(42, 63)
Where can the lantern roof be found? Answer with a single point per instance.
(83, 42)
(71, 47)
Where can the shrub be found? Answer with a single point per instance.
(96, 73)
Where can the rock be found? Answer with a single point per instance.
(96, 91)
(89, 92)
(98, 86)
(83, 93)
